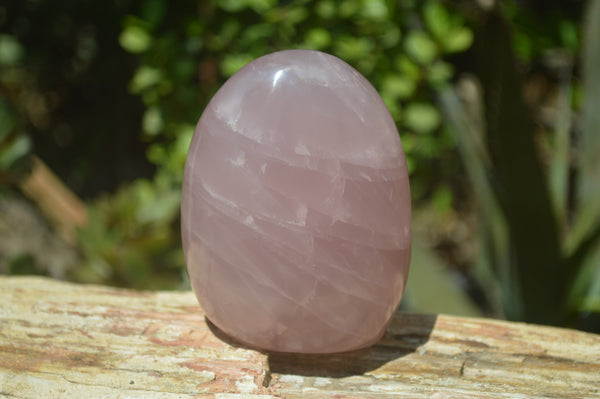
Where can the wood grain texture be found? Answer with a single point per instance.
(60, 340)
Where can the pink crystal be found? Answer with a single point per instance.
(296, 207)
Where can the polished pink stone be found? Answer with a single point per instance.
(296, 207)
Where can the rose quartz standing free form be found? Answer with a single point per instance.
(296, 207)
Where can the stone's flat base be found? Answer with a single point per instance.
(61, 340)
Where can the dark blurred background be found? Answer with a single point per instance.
(497, 105)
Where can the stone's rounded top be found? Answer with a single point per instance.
(309, 66)
(310, 103)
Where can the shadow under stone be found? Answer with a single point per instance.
(405, 335)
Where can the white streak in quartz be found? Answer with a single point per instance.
(297, 213)
(347, 283)
(270, 205)
(338, 323)
(283, 183)
(349, 278)
(240, 160)
(304, 244)
(320, 224)
(301, 149)
(366, 176)
(326, 165)
(267, 283)
(213, 193)
(301, 213)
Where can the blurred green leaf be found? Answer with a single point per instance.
(135, 39)
(195, 28)
(583, 241)
(152, 121)
(14, 150)
(440, 73)
(11, 50)
(420, 47)
(588, 193)
(429, 146)
(393, 105)
(536, 274)
(459, 39)
(467, 126)
(352, 48)
(407, 67)
(184, 69)
(421, 117)
(584, 289)
(172, 158)
(558, 173)
(348, 8)
(157, 154)
(375, 10)
(153, 11)
(442, 199)
(162, 209)
(8, 119)
(258, 32)
(411, 164)
(286, 15)
(22, 264)
(326, 9)
(398, 86)
(523, 45)
(317, 39)
(238, 5)
(94, 238)
(569, 34)
(437, 19)
(228, 33)
(391, 36)
(232, 5)
(145, 77)
(233, 63)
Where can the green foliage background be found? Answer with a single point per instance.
(108, 94)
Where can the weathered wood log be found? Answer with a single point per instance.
(59, 204)
(66, 340)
